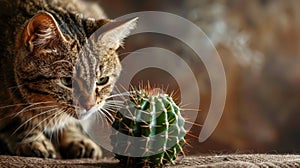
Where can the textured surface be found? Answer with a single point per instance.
(253, 160)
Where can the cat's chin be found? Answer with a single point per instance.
(83, 114)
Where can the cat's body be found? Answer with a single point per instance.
(40, 49)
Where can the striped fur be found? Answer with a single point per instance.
(43, 41)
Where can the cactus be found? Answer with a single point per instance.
(154, 117)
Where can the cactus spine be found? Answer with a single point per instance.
(153, 115)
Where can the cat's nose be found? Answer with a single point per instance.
(87, 102)
(88, 107)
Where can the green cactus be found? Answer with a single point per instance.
(156, 118)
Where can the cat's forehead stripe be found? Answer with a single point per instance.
(88, 64)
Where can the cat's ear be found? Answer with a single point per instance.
(41, 31)
(114, 32)
(93, 25)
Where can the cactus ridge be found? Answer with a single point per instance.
(153, 115)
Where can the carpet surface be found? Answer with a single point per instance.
(235, 161)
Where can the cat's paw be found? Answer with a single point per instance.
(81, 148)
(39, 148)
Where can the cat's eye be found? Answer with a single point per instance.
(102, 81)
(66, 81)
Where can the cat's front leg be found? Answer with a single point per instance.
(31, 144)
(75, 144)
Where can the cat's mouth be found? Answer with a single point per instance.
(83, 114)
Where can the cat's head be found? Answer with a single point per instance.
(62, 64)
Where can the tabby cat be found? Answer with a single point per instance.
(49, 79)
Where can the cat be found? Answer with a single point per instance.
(41, 48)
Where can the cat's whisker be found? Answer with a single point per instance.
(64, 117)
(117, 104)
(114, 102)
(12, 115)
(36, 108)
(101, 117)
(14, 105)
(60, 129)
(44, 107)
(107, 115)
(20, 104)
(39, 124)
(122, 96)
(49, 122)
(110, 121)
(111, 109)
(97, 118)
(118, 95)
(28, 108)
(31, 118)
(114, 106)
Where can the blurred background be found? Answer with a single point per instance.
(257, 41)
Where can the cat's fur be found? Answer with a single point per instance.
(42, 46)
